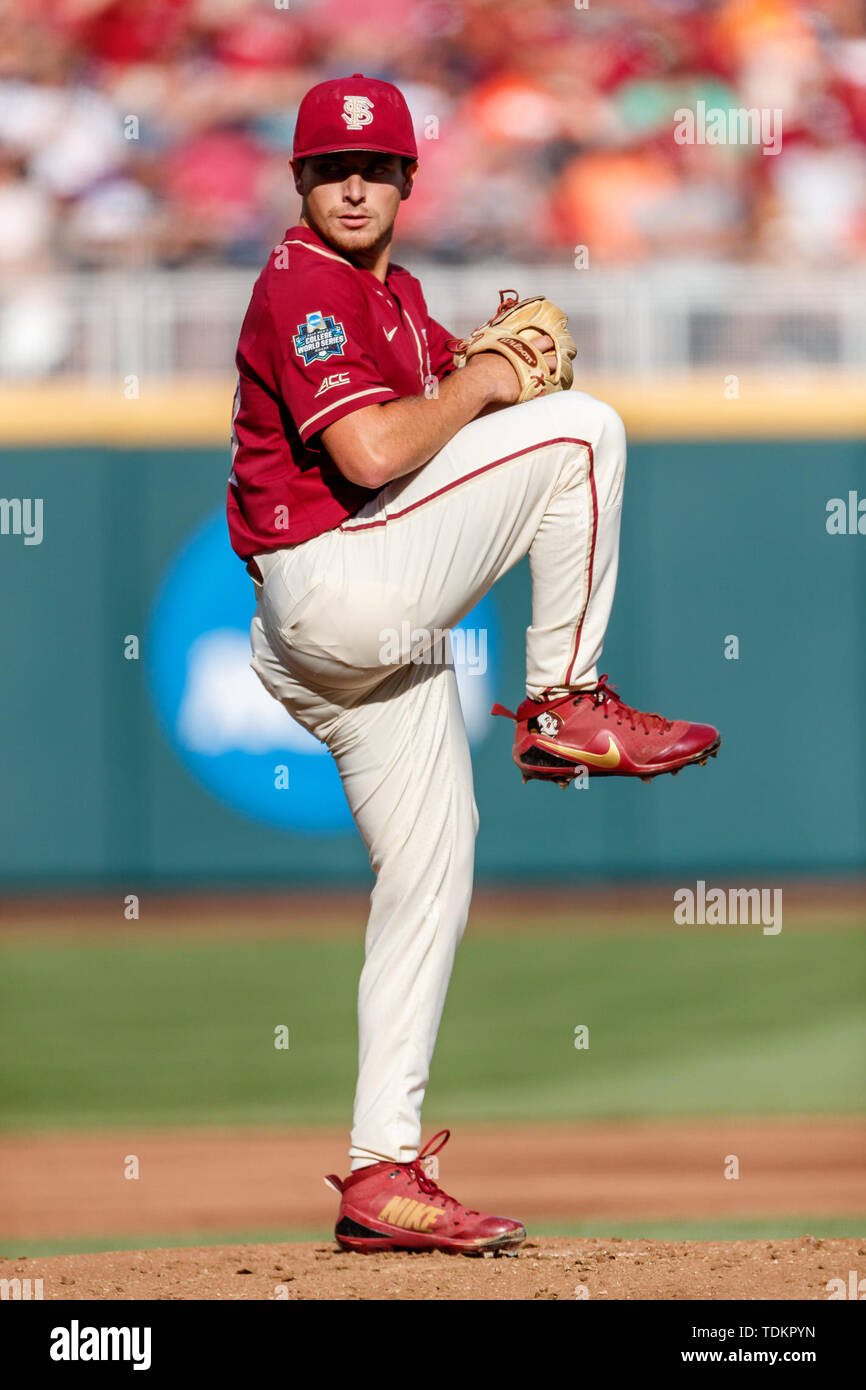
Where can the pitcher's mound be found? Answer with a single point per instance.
(574, 1268)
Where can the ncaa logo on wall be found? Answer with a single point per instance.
(230, 734)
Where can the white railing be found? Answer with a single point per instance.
(102, 327)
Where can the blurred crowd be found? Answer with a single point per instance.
(158, 131)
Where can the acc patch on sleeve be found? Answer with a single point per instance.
(319, 337)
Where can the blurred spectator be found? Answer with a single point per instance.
(33, 320)
(159, 131)
(26, 217)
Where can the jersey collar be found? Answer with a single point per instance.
(312, 238)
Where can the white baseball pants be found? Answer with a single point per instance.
(545, 478)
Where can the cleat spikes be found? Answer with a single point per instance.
(648, 778)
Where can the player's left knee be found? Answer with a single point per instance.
(613, 429)
(603, 426)
(601, 423)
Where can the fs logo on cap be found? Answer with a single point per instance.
(342, 113)
(357, 112)
(320, 337)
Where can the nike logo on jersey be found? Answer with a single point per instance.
(390, 335)
(609, 759)
(338, 379)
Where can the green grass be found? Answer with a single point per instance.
(746, 1228)
(695, 1021)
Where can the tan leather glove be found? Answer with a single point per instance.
(511, 331)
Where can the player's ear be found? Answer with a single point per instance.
(298, 173)
(410, 169)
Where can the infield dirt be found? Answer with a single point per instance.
(574, 1269)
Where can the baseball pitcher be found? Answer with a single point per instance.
(384, 477)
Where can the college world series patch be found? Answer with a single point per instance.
(319, 337)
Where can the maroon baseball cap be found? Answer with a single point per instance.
(354, 113)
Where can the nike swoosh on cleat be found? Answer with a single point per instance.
(611, 758)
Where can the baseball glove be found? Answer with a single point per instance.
(510, 332)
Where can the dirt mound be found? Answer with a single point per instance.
(541, 1269)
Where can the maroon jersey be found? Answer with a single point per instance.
(321, 338)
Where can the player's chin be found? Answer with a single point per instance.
(356, 236)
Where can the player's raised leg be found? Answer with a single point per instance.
(545, 478)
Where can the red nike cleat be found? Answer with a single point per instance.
(595, 729)
(396, 1206)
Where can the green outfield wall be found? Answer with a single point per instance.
(736, 605)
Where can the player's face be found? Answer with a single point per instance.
(351, 197)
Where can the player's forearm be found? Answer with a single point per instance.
(411, 431)
(382, 442)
